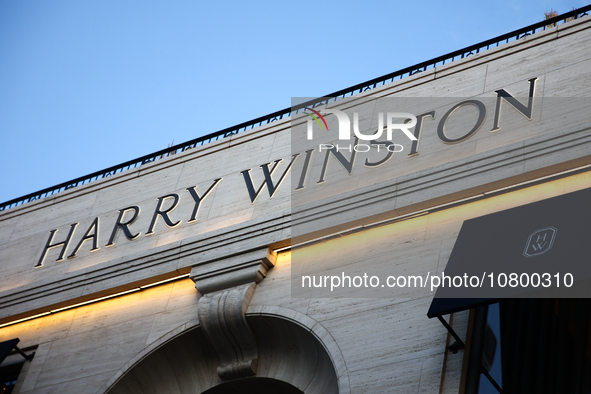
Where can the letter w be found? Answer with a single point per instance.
(268, 178)
(540, 246)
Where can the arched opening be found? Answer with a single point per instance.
(291, 360)
(254, 386)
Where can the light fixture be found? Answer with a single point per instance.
(94, 300)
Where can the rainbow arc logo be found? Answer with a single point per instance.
(316, 119)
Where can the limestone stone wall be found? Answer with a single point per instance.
(374, 345)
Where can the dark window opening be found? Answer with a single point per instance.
(531, 346)
(12, 359)
(8, 377)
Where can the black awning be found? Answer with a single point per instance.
(546, 245)
(445, 306)
(6, 347)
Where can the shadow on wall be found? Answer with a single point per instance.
(290, 361)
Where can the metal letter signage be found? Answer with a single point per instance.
(538, 243)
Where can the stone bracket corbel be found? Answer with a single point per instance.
(227, 286)
(221, 315)
(239, 269)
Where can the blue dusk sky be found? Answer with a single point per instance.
(85, 85)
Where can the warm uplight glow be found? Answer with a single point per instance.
(428, 210)
(412, 215)
(24, 319)
(95, 300)
(164, 281)
(538, 179)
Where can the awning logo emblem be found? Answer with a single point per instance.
(540, 242)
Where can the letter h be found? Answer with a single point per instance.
(64, 244)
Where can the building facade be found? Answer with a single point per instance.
(213, 270)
